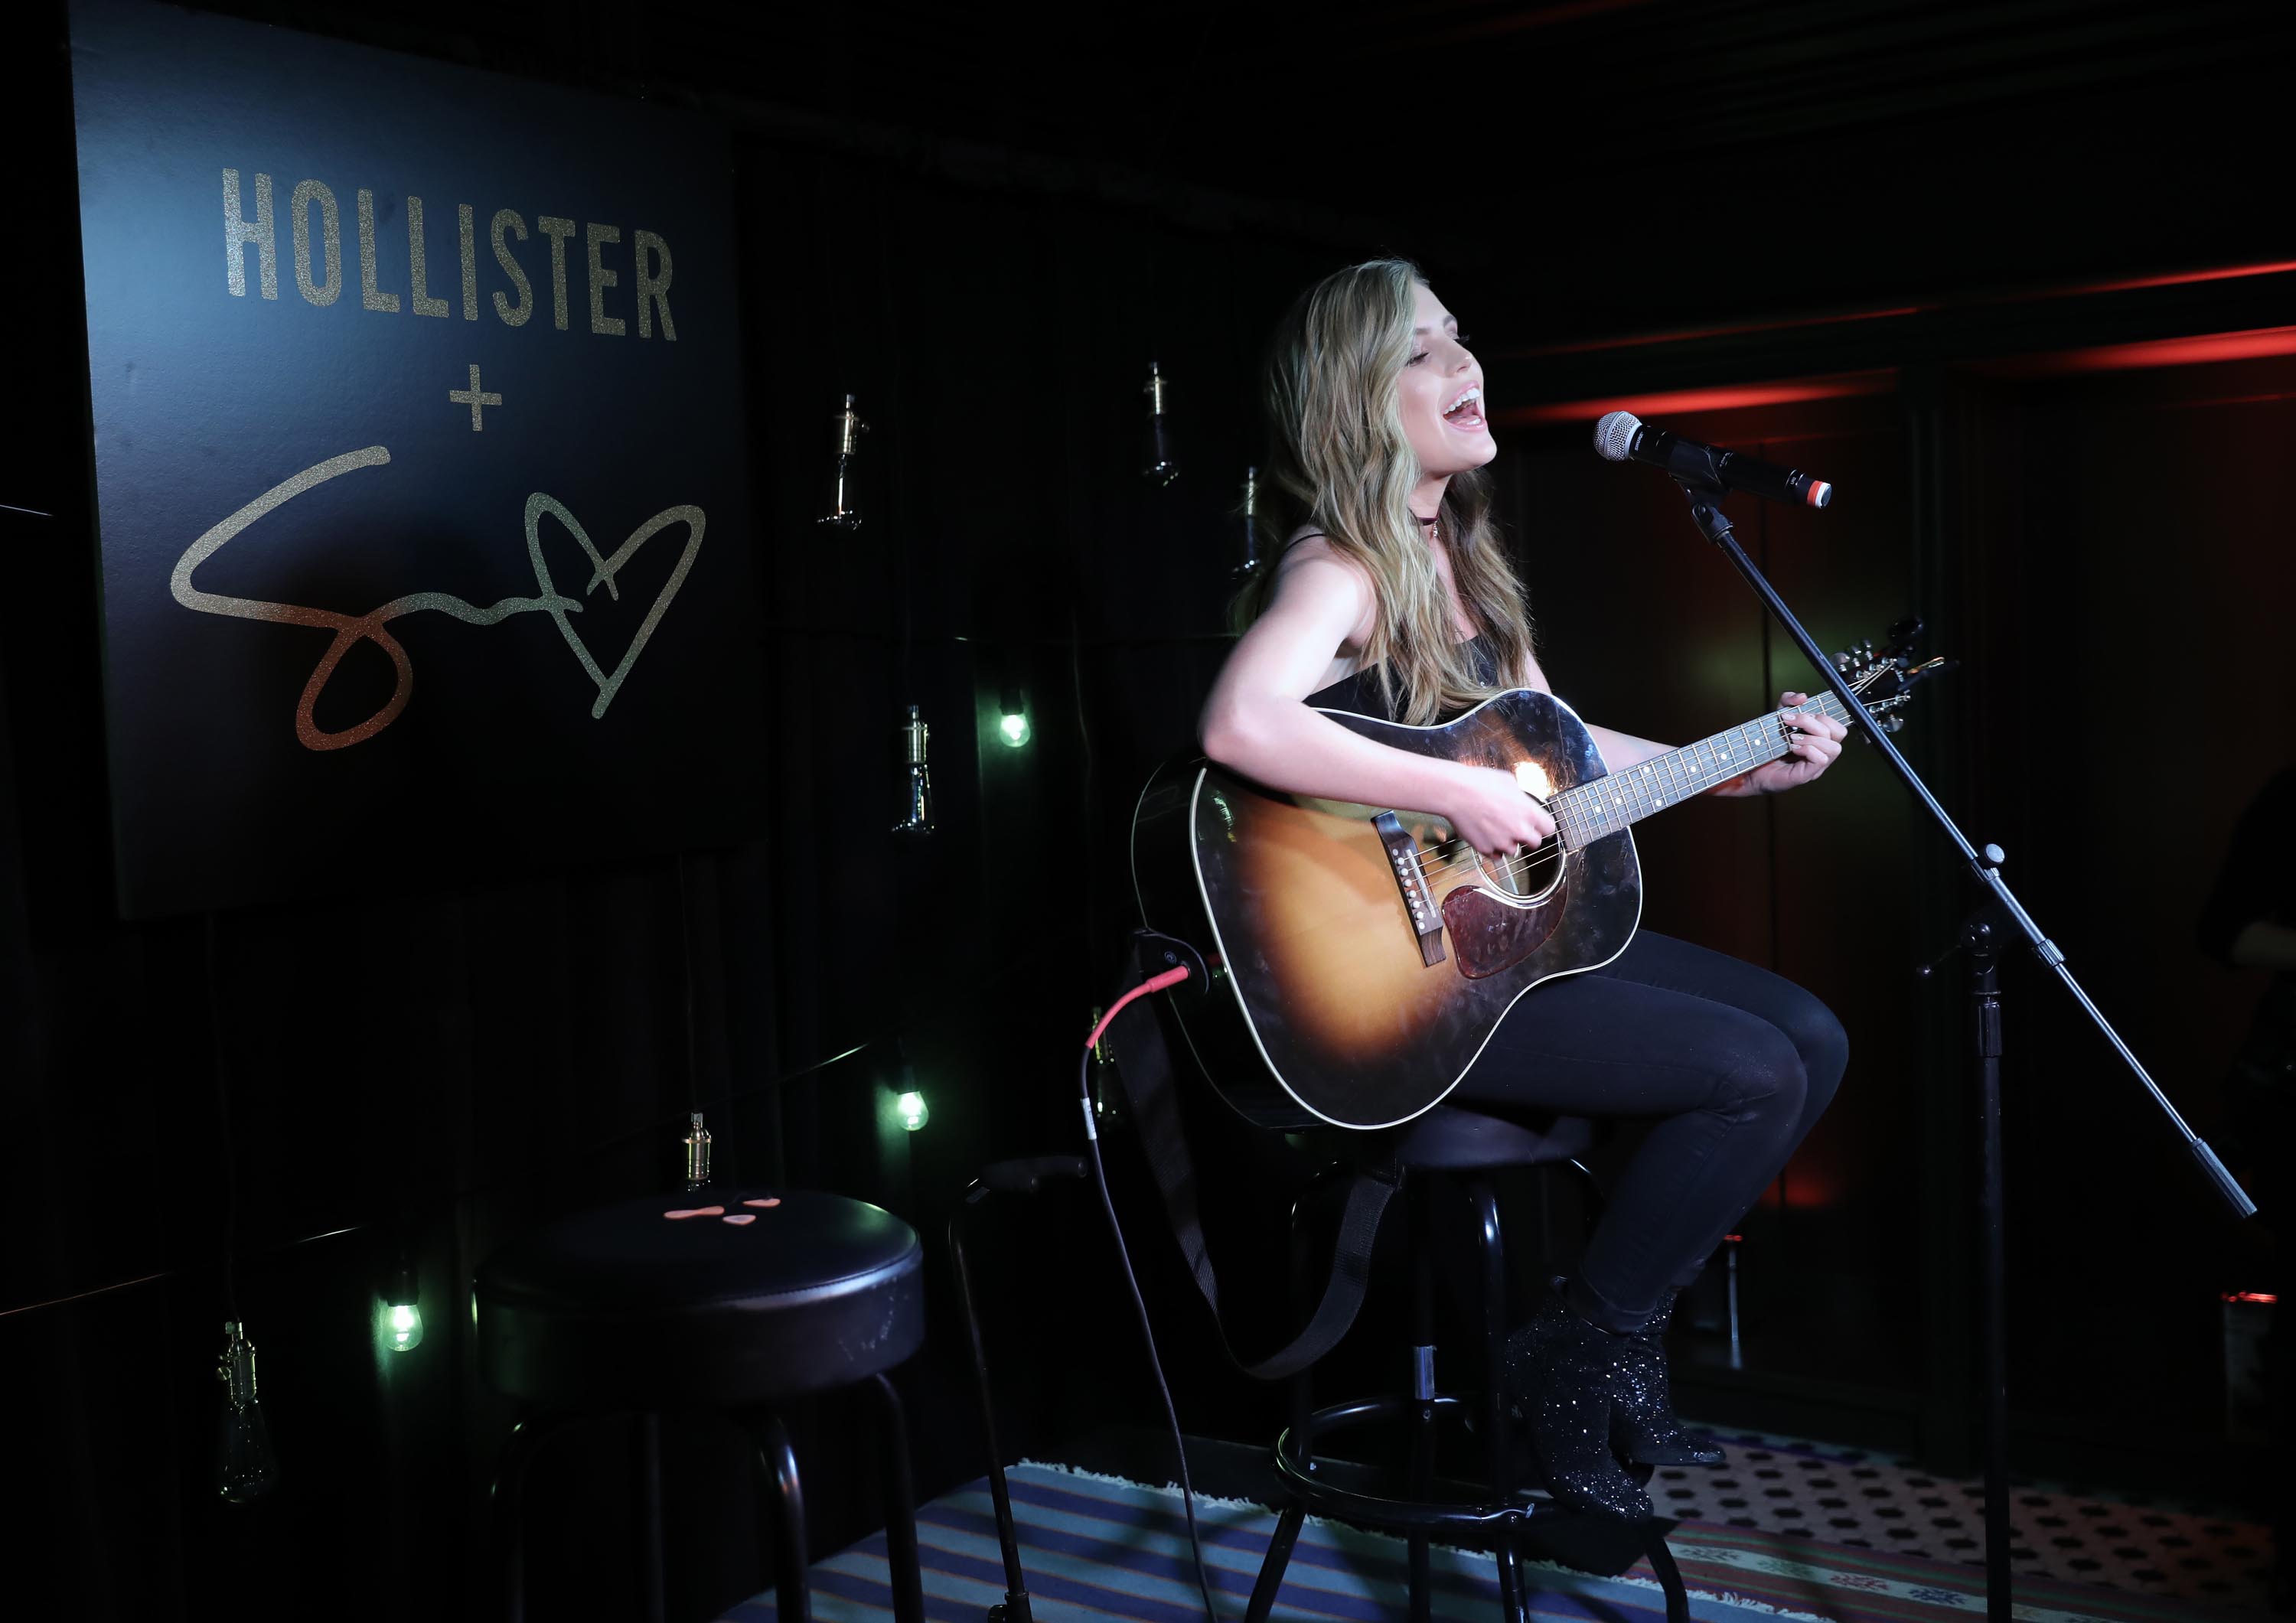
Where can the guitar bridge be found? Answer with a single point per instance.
(1418, 901)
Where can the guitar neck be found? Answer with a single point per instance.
(1608, 804)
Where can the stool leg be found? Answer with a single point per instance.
(1303, 1384)
(507, 1495)
(1421, 1468)
(651, 1586)
(1271, 1571)
(1514, 1602)
(785, 1502)
(1000, 1494)
(1669, 1576)
(900, 1513)
(1491, 1251)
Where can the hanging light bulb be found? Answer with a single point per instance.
(842, 515)
(1160, 466)
(244, 1466)
(697, 1153)
(402, 1311)
(916, 806)
(1012, 724)
(906, 1100)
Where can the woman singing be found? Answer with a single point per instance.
(1393, 598)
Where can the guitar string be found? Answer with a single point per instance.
(1440, 865)
(1517, 868)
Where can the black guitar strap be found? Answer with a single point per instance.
(1144, 1065)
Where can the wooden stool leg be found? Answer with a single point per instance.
(900, 1513)
(1271, 1571)
(652, 1581)
(785, 1504)
(507, 1495)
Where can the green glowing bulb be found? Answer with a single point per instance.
(403, 1326)
(913, 1114)
(1014, 730)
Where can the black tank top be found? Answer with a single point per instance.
(1360, 692)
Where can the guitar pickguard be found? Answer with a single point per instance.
(1488, 935)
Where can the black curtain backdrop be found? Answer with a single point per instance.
(311, 1092)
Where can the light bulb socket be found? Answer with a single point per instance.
(1249, 510)
(842, 515)
(916, 801)
(697, 1153)
(235, 1366)
(1161, 467)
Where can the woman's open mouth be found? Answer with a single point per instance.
(1465, 413)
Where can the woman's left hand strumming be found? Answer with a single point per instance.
(1817, 744)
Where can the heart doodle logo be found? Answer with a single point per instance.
(603, 572)
(351, 630)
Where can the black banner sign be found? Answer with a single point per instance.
(419, 466)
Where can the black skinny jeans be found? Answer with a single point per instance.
(1735, 1064)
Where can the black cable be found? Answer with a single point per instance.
(1147, 1334)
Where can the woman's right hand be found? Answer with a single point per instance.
(1489, 810)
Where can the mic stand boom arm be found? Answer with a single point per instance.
(1706, 510)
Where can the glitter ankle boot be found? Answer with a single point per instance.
(1564, 1378)
(1643, 1426)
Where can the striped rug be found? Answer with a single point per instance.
(1095, 1547)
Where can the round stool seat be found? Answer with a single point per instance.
(672, 1300)
(1449, 1139)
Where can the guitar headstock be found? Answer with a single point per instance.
(1884, 677)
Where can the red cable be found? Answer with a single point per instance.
(1155, 983)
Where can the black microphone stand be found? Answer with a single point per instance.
(1979, 940)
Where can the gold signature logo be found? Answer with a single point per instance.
(352, 629)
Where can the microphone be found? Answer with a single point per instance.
(1623, 437)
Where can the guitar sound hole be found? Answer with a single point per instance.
(1453, 862)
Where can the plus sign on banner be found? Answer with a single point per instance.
(419, 469)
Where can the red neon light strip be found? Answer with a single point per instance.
(2222, 273)
(2076, 290)
(1684, 334)
(1726, 397)
(2194, 351)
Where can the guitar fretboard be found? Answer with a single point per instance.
(1609, 804)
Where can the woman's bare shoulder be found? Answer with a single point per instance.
(1316, 580)
(1312, 548)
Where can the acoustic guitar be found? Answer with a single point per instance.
(1361, 957)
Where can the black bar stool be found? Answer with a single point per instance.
(732, 1299)
(1461, 1149)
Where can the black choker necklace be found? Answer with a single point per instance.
(1427, 521)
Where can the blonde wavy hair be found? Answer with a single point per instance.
(1339, 463)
